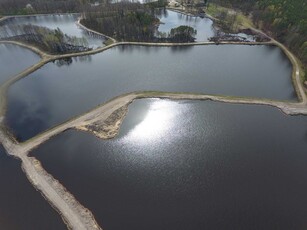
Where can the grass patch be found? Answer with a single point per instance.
(108, 42)
(241, 21)
(214, 10)
(244, 21)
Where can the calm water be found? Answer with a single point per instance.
(171, 19)
(185, 165)
(56, 93)
(14, 59)
(21, 206)
(66, 22)
(204, 26)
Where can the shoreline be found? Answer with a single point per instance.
(78, 23)
(46, 58)
(102, 112)
(104, 121)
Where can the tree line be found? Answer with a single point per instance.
(124, 21)
(128, 21)
(285, 20)
(51, 41)
(12, 7)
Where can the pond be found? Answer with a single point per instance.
(14, 59)
(59, 91)
(66, 22)
(189, 165)
(204, 26)
(170, 19)
(21, 206)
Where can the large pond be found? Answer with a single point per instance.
(14, 59)
(57, 92)
(21, 206)
(189, 165)
(66, 22)
(36, 103)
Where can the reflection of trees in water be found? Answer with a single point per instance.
(85, 58)
(132, 48)
(151, 49)
(129, 48)
(68, 61)
(178, 49)
(63, 61)
(161, 12)
(90, 34)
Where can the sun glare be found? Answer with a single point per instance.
(156, 123)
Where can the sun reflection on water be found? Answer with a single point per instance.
(157, 122)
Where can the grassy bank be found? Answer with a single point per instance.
(227, 15)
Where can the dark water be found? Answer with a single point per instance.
(66, 22)
(14, 59)
(195, 166)
(54, 94)
(21, 206)
(204, 26)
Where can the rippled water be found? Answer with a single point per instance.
(14, 59)
(189, 165)
(21, 206)
(56, 93)
(66, 22)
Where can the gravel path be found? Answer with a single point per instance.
(73, 213)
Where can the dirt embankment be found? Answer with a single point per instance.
(108, 128)
(104, 122)
(72, 212)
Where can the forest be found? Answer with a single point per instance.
(123, 21)
(127, 21)
(285, 20)
(10, 7)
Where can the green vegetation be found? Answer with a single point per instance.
(229, 20)
(157, 4)
(13, 7)
(51, 41)
(285, 20)
(108, 42)
(134, 22)
(123, 21)
(182, 34)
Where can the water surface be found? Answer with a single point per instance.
(57, 92)
(204, 26)
(189, 165)
(14, 59)
(66, 22)
(21, 206)
(171, 19)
